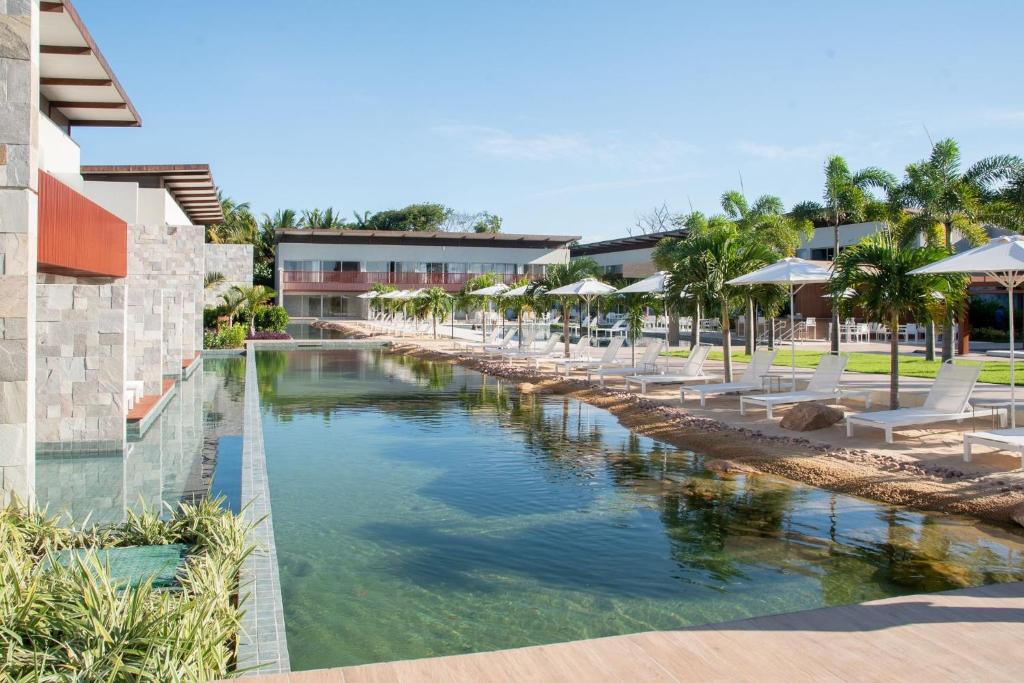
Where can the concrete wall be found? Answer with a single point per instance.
(19, 141)
(80, 364)
(167, 259)
(145, 338)
(234, 262)
(59, 155)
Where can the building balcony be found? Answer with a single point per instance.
(360, 281)
(77, 236)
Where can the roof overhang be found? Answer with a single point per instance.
(631, 243)
(191, 186)
(424, 238)
(73, 74)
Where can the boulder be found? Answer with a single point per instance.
(1017, 514)
(728, 466)
(806, 417)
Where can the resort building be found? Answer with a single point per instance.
(629, 257)
(320, 273)
(101, 267)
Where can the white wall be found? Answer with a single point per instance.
(120, 199)
(431, 254)
(156, 206)
(620, 258)
(59, 155)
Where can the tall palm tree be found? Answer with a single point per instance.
(234, 302)
(766, 221)
(878, 270)
(471, 302)
(519, 305)
(254, 299)
(846, 198)
(560, 275)
(1007, 210)
(943, 199)
(238, 226)
(315, 219)
(433, 303)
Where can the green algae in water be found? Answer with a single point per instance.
(421, 509)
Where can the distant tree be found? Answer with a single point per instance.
(315, 219)
(238, 227)
(487, 223)
(559, 275)
(253, 300)
(658, 219)
(434, 303)
(846, 198)
(361, 220)
(426, 217)
(1007, 209)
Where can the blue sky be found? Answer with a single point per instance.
(562, 117)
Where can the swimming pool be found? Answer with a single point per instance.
(422, 509)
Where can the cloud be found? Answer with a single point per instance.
(783, 152)
(616, 185)
(652, 156)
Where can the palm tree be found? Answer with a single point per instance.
(846, 198)
(315, 219)
(1008, 208)
(519, 305)
(470, 302)
(253, 300)
(433, 302)
(944, 199)
(718, 255)
(234, 302)
(362, 220)
(560, 275)
(212, 279)
(767, 222)
(239, 225)
(878, 270)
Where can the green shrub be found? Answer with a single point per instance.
(73, 622)
(210, 316)
(225, 337)
(272, 319)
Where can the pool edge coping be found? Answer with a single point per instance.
(262, 643)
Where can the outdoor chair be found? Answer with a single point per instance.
(824, 385)
(948, 399)
(692, 371)
(647, 363)
(759, 365)
(607, 358)
(1011, 440)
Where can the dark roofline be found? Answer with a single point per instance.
(190, 185)
(630, 243)
(469, 239)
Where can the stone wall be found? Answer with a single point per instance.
(19, 109)
(145, 338)
(80, 365)
(169, 260)
(234, 262)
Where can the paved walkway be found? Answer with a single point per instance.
(967, 635)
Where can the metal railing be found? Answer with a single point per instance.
(332, 280)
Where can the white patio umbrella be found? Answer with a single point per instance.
(652, 284)
(518, 291)
(368, 295)
(493, 290)
(1002, 259)
(848, 293)
(792, 271)
(586, 289)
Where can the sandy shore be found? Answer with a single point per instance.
(927, 475)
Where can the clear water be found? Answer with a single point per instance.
(422, 509)
(173, 461)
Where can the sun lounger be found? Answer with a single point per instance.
(546, 350)
(492, 340)
(750, 380)
(513, 347)
(948, 399)
(1011, 440)
(824, 386)
(692, 371)
(581, 349)
(648, 363)
(607, 358)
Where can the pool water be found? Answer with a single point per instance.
(421, 509)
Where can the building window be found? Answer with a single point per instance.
(825, 254)
(458, 268)
(377, 266)
(612, 270)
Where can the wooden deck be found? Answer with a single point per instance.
(145, 404)
(973, 634)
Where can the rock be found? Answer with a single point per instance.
(806, 417)
(1017, 514)
(727, 466)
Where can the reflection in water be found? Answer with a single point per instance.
(172, 461)
(422, 509)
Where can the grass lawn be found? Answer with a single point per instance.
(992, 372)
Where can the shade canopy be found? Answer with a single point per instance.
(1000, 257)
(369, 295)
(393, 294)
(848, 293)
(518, 291)
(587, 287)
(790, 270)
(493, 290)
(653, 284)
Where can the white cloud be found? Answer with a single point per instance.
(783, 152)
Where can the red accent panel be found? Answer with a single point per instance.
(78, 236)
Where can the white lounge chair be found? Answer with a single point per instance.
(948, 399)
(581, 349)
(647, 363)
(513, 347)
(505, 343)
(824, 386)
(546, 350)
(750, 380)
(493, 339)
(1011, 440)
(607, 359)
(692, 371)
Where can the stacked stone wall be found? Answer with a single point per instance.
(234, 262)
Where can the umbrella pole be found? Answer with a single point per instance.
(1013, 360)
(792, 336)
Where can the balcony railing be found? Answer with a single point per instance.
(361, 281)
(78, 236)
